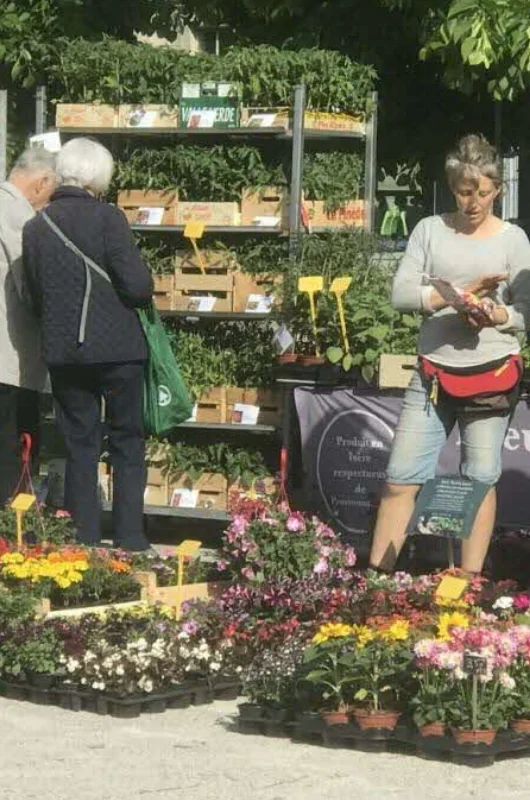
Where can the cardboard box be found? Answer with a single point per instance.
(266, 202)
(86, 115)
(325, 121)
(216, 214)
(350, 214)
(155, 495)
(147, 116)
(212, 489)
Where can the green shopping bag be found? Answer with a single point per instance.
(166, 399)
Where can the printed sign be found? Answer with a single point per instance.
(447, 506)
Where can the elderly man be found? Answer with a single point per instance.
(22, 371)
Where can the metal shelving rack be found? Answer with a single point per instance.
(298, 137)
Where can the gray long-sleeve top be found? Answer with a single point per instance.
(437, 249)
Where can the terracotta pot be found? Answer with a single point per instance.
(310, 361)
(432, 729)
(520, 725)
(335, 717)
(462, 736)
(376, 720)
(287, 358)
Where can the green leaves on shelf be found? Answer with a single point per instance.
(221, 172)
(224, 354)
(113, 71)
(242, 464)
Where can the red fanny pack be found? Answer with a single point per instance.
(494, 381)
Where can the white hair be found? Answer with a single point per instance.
(35, 159)
(85, 163)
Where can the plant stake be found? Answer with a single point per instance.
(185, 550)
(194, 230)
(311, 285)
(338, 287)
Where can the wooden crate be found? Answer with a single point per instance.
(266, 201)
(269, 402)
(214, 261)
(164, 292)
(216, 214)
(190, 286)
(212, 489)
(133, 201)
(172, 596)
(261, 487)
(149, 115)
(44, 609)
(86, 115)
(395, 372)
(350, 214)
(245, 285)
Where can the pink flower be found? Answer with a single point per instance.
(248, 573)
(222, 565)
(321, 567)
(62, 513)
(350, 557)
(295, 522)
(190, 628)
(521, 602)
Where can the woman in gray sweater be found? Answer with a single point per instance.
(478, 252)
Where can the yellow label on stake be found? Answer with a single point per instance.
(23, 502)
(194, 229)
(451, 588)
(188, 548)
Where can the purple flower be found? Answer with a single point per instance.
(321, 567)
(190, 627)
(239, 524)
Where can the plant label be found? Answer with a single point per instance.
(262, 121)
(150, 216)
(244, 414)
(447, 506)
(475, 664)
(451, 588)
(184, 498)
(282, 340)
(50, 141)
(266, 222)
(259, 304)
(202, 303)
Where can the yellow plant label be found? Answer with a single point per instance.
(194, 229)
(23, 502)
(451, 588)
(188, 548)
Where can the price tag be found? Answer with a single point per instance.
(475, 664)
(451, 588)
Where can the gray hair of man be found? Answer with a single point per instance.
(85, 163)
(33, 160)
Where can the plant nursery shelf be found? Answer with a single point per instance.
(213, 514)
(229, 316)
(230, 426)
(246, 230)
(276, 132)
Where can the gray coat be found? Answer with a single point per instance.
(21, 362)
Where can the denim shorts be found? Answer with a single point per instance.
(423, 429)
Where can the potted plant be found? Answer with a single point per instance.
(431, 703)
(40, 656)
(331, 664)
(382, 662)
(269, 682)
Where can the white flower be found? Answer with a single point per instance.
(145, 684)
(506, 681)
(503, 603)
(72, 664)
(120, 670)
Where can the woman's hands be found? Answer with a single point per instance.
(485, 284)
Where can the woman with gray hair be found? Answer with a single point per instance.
(86, 278)
(469, 365)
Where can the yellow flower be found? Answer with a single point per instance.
(332, 630)
(398, 631)
(446, 602)
(363, 634)
(447, 621)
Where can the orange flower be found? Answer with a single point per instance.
(118, 566)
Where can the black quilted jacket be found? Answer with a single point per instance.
(55, 280)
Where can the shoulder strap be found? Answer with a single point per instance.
(89, 264)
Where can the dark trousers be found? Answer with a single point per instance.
(78, 393)
(19, 413)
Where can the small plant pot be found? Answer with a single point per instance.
(521, 726)
(335, 717)
(277, 714)
(287, 358)
(251, 712)
(376, 720)
(432, 729)
(462, 736)
(41, 680)
(311, 361)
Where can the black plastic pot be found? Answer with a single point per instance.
(41, 680)
(251, 712)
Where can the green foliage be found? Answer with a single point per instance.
(479, 40)
(15, 607)
(220, 172)
(225, 354)
(118, 72)
(100, 585)
(243, 464)
(41, 526)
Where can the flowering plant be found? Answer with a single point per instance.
(271, 677)
(482, 703)
(274, 543)
(330, 661)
